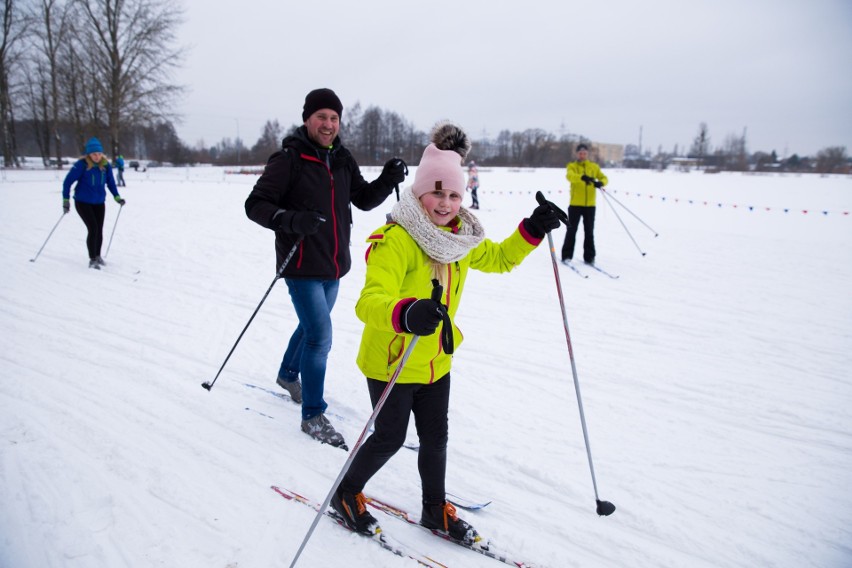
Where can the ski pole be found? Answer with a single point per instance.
(603, 507)
(33, 259)
(437, 291)
(209, 385)
(617, 216)
(113, 229)
(608, 196)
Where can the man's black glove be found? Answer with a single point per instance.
(544, 219)
(301, 222)
(393, 173)
(66, 206)
(421, 317)
(587, 179)
(598, 183)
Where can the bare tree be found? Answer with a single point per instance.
(80, 102)
(735, 156)
(701, 144)
(51, 19)
(832, 160)
(539, 145)
(504, 147)
(38, 100)
(135, 55)
(14, 28)
(370, 131)
(269, 141)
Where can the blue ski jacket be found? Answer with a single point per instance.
(91, 179)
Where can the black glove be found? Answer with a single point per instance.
(301, 222)
(66, 206)
(421, 317)
(544, 219)
(393, 173)
(587, 179)
(598, 184)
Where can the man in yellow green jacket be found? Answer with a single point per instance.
(585, 178)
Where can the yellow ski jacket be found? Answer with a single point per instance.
(582, 193)
(398, 272)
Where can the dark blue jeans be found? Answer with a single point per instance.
(307, 351)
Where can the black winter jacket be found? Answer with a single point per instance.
(325, 181)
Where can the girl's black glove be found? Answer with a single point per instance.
(421, 317)
(543, 220)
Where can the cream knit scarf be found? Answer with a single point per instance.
(441, 245)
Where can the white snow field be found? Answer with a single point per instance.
(715, 375)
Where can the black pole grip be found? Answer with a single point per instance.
(437, 290)
(447, 328)
(539, 196)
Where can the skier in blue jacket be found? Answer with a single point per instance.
(92, 173)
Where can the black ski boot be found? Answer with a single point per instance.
(444, 518)
(353, 510)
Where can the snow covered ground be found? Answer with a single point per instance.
(715, 375)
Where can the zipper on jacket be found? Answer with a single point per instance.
(334, 224)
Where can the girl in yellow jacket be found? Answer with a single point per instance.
(585, 178)
(430, 236)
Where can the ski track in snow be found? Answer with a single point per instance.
(714, 375)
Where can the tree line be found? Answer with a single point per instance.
(374, 135)
(71, 69)
(733, 155)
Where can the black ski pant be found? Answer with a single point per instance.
(92, 215)
(430, 404)
(587, 214)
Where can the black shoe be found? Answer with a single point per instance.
(353, 510)
(589, 261)
(443, 518)
(293, 388)
(319, 428)
(93, 263)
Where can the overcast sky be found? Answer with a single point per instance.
(782, 69)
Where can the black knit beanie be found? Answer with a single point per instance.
(321, 98)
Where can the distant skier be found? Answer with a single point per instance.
(585, 178)
(119, 165)
(473, 183)
(430, 236)
(92, 173)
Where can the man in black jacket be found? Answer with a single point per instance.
(305, 195)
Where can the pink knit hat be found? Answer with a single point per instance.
(441, 164)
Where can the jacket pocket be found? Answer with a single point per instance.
(396, 348)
